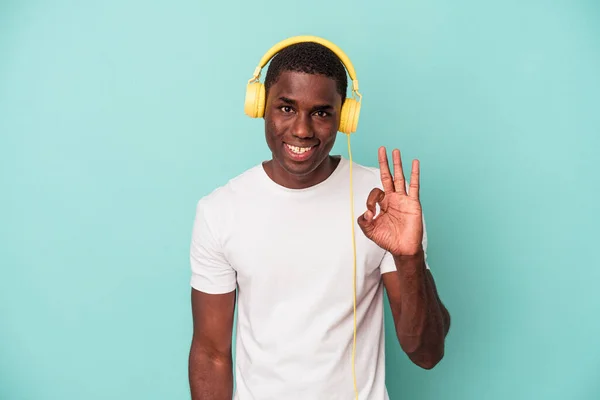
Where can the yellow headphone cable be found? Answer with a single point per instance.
(353, 269)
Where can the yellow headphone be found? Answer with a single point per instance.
(254, 107)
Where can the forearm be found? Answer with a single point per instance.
(423, 321)
(210, 374)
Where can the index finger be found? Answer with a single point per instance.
(384, 170)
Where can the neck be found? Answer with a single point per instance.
(286, 179)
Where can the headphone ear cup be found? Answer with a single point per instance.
(349, 117)
(254, 105)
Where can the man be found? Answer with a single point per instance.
(280, 234)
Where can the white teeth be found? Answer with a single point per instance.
(298, 150)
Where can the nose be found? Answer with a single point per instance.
(302, 127)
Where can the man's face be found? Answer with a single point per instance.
(302, 116)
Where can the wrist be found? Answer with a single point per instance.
(418, 253)
(410, 263)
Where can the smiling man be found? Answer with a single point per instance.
(280, 234)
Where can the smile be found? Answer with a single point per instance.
(299, 153)
(298, 150)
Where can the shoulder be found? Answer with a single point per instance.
(365, 175)
(365, 170)
(217, 206)
(232, 190)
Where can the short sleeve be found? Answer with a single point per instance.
(387, 263)
(210, 270)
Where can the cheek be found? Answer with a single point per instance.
(327, 131)
(276, 127)
(271, 132)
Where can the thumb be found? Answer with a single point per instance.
(366, 223)
(366, 220)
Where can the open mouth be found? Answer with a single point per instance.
(299, 153)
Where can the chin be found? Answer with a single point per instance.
(299, 168)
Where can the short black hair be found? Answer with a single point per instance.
(310, 58)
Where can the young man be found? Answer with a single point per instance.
(280, 233)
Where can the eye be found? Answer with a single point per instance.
(286, 109)
(322, 113)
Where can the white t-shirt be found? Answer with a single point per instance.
(289, 253)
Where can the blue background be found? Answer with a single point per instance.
(117, 116)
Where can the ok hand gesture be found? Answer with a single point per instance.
(398, 227)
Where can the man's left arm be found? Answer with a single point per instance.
(420, 318)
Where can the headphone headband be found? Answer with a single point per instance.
(307, 38)
(255, 101)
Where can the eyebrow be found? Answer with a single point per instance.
(315, 108)
(286, 100)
